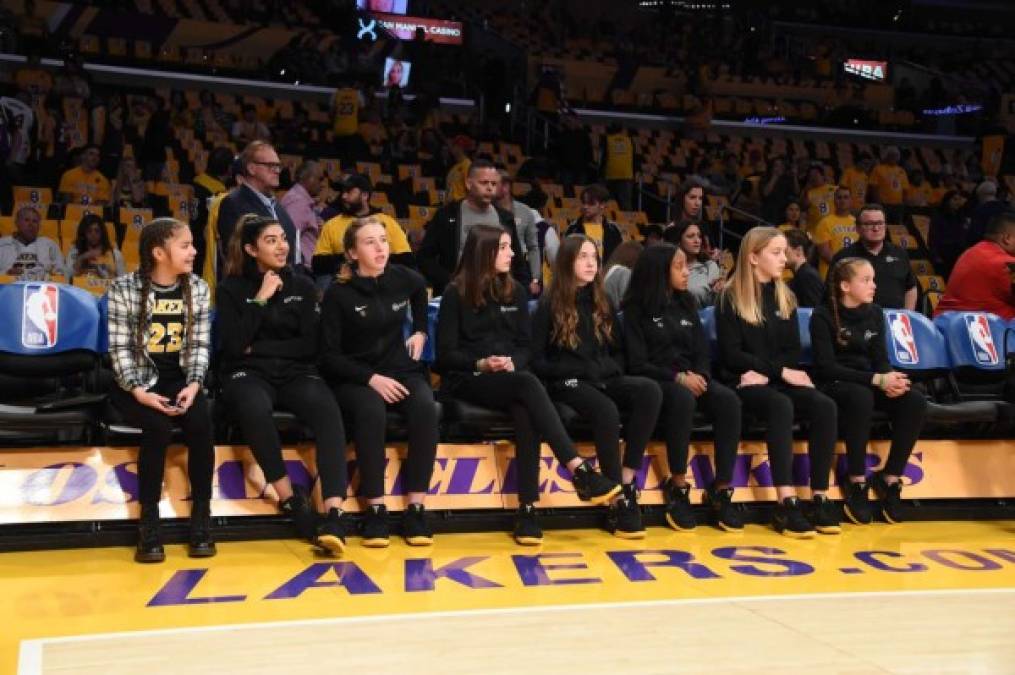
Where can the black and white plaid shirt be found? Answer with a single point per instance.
(124, 306)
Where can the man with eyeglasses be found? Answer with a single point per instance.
(259, 169)
(896, 283)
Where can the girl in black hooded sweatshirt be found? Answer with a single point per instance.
(483, 355)
(665, 341)
(851, 364)
(372, 366)
(269, 339)
(574, 340)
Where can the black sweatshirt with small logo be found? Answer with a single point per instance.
(363, 322)
(465, 334)
(661, 344)
(591, 361)
(277, 339)
(863, 329)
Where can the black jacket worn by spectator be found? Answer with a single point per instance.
(864, 353)
(892, 272)
(767, 348)
(438, 254)
(282, 335)
(244, 200)
(612, 236)
(590, 361)
(362, 322)
(807, 286)
(466, 335)
(661, 345)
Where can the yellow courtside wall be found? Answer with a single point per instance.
(99, 483)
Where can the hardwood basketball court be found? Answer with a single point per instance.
(919, 597)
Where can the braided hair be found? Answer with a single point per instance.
(843, 270)
(157, 233)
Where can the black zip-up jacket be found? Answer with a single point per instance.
(465, 335)
(282, 335)
(807, 286)
(766, 348)
(438, 254)
(672, 341)
(590, 361)
(864, 353)
(362, 323)
(612, 236)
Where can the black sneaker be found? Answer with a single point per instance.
(200, 544)
(375, 526)
(856, 505)
(825, 515)
(679, 515)
(890, 496)
(789, 520)
(527, 530)
(297, 508)
(149, 539)
(725, 514)
(415, 528)
(592, 486)
(624, 518)
(331, 533)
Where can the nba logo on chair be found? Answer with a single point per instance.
(980, 339)
(903, 342)
(39, 318)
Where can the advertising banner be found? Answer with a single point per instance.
(100, 483)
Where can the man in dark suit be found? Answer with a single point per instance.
(259, 170)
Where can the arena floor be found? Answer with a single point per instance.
(919, 597)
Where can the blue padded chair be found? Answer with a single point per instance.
(803, 317)
(707, 316)
(917, 347)
(49, 354)
(913, 342)
(975, 340)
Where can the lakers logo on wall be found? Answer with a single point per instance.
(166, 336)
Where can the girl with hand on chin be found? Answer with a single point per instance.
(159, 337)
(269, 346)
(373, 367)
(759, 352)
(851, 363)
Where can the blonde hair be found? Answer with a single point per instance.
(347, 271)
(743, 290)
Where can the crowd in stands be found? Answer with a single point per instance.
(104, 152)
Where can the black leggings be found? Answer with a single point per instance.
(524, 396)
(856, 407)
(599, 407)
(368, 413)
(775, 407)
(156, 434)
(250, 399)
(677, 417)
